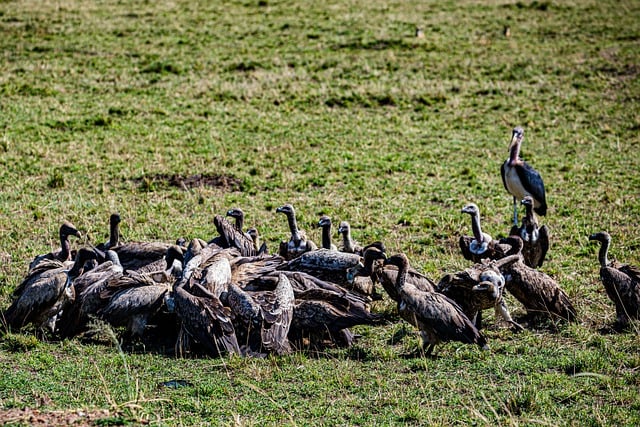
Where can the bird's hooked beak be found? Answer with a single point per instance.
(527, 201)
(486, 287)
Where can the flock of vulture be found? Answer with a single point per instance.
(229, 295)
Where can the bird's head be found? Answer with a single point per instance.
(527, 201)
(471, 209)
(235, 213)
(285, 209)
(325, 221)
(344, 227)
(487, 288)
(115, 219)
(493, 277)
(601, 236)
(516, 137)
(399, 260)
(68, 229)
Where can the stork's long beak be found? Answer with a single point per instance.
(515, 139)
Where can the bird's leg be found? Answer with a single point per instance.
(478, 320)
(502, 310)
(515, 212)
(429, 349)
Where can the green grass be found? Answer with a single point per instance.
(337, 108)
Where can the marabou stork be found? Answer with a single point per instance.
(520, 179)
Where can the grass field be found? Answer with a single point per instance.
(336, 107)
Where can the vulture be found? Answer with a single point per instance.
(332, 266)
(325, 224)
(238, 215)
(538, 292)
(348, 244)
(276, 310)
(132, 255)
(481, 245)
(135, 305)
(387, 275)
(479, 288)
(261, 248)
(298, 242)
(621, 282)
(438, 318)
(46, 291)
(230, 237)
(520, 179)
(64, 252)
(114, 233)
(203, 319)
(213, 274)
(90, 295)
(535, 239)
(246, 269)
(319, 312)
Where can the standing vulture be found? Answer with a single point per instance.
(538, 292)
(438, 318)
(621, 281)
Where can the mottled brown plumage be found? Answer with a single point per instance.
(621, 282)
(387, 275)
(321, 313)
(45, 292)
(277, 313)
(90, 288)
(538, 292)
(246, 269)
(261, 247)
(134, 306)
(324, 264)
(230, 237)
(479, 288)
(438, 318)
(204, 319)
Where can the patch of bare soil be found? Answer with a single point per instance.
(36, 417)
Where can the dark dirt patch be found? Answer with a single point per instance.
(36, 417)
(225, 182)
